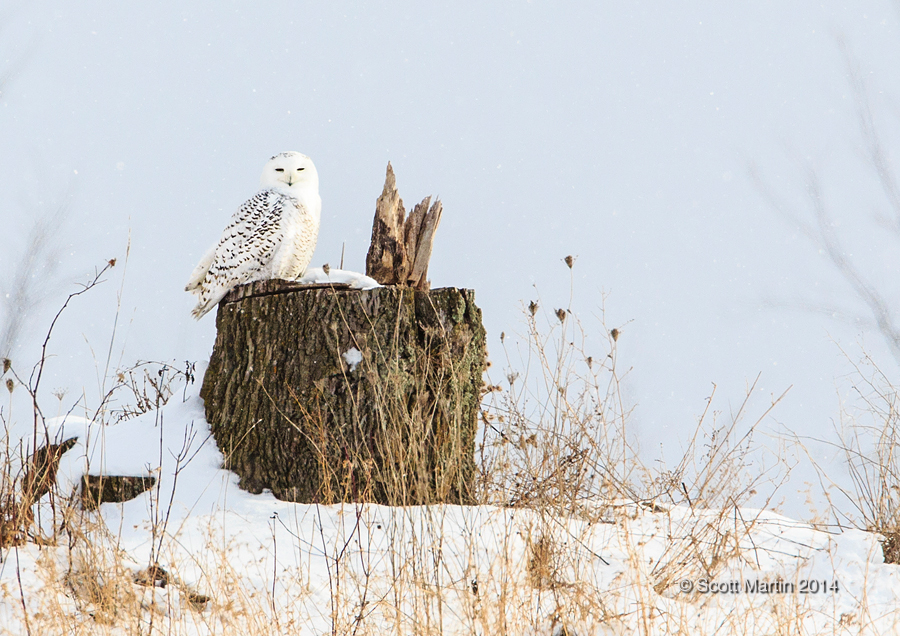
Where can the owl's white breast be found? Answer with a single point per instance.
(300, 227)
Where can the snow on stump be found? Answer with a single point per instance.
(322, 393)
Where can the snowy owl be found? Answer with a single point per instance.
(272, 235)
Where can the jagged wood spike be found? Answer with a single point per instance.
(401, 247)
(418, 276)
(412, 228)
(387, 252)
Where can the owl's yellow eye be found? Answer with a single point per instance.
(301, 168)
(279, 169)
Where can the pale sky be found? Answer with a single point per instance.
(620, 132)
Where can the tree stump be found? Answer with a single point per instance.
(326, 394)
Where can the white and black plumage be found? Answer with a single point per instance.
(272, 235)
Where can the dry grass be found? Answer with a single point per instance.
(399, 465)
(576, 534)
(557, 441)
(868, 437)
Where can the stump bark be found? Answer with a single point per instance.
(327, 394)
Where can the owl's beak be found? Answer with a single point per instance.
(290, 180)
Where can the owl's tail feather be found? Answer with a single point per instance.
(203, 308)
(199, 273)
(200, 310)
(209, 298)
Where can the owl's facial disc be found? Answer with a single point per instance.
(293, 176)
(289, 169)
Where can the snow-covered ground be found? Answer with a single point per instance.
(250, 564)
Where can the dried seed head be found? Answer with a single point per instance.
(570, 260)
(511, 377)
(502, 336)
(6, 364)
(590, 361)
(326, 268)
(111, 262)
(533, 307)
(615, 334)
(10, 385)
(561, 314)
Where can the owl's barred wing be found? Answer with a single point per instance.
(243, 254)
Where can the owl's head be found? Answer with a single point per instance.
(290, 170)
